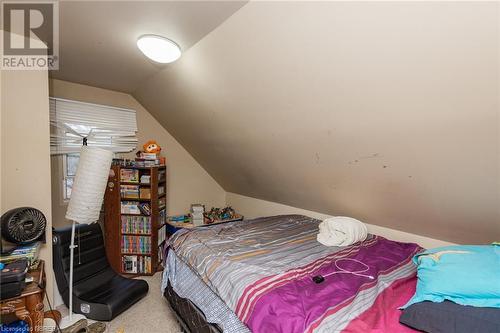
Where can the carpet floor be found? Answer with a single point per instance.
(152, 314)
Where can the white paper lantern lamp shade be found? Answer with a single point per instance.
(85, 204)
(89, 185)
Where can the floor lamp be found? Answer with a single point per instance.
(85, 204)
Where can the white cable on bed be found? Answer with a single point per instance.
(357, 273)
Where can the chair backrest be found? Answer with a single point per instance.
(89, 255)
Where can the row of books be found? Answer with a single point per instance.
(139, 162)
(136, 208)
(136, 244)
(136, 264)
(136, 224)
(154, 160)
(135, 192)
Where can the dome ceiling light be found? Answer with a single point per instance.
(159, 49)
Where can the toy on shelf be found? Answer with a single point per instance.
(151, 147)
(220, 214)
(148, 158)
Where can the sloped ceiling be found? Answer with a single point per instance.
(98, 38)
(385, 111)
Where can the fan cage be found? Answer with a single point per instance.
(23, 225)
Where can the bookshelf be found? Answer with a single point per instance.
(135, 217)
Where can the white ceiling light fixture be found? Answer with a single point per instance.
(159, 49)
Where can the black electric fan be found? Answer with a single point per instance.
(21, 226)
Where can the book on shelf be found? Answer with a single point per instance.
(162, 235)
(162, 202)
(179, 218)
(141, 162)
(28, 252)
(136, 224)
(162, 217)
(149, 156)
(129, 175)
(161, 190)
(129, 264)
(129, 191)
(145, 208)
(130, 207)
(145, 179)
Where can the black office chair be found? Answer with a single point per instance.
(99, 292)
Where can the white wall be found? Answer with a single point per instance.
(252, 208)
(25, 162)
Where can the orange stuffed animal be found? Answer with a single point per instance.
(151, 147)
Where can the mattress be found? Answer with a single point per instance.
(187, 285)
(257, 275)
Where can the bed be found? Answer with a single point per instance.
(257, 276)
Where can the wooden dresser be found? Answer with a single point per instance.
(29, 305)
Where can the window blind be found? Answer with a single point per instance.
(104, 127)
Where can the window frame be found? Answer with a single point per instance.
(66, 176)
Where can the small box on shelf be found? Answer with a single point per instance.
(145, 193)
(145, 179)
(129, 175)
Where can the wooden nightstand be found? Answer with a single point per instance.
(29, 305)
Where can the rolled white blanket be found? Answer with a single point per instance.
(341, 231)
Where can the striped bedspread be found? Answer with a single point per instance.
(263, 268)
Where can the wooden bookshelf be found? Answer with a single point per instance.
(127, 233)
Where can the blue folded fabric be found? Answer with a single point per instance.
(464, 274)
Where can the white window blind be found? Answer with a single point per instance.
(104, 126)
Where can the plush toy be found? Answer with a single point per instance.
(151, 147)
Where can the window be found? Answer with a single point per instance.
(103, 126)
(70, 164)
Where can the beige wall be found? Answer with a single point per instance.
(383, 110)
(187, 181)
(253, 208)
(25, 163)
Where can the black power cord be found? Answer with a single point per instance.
(51, 310)
(41, 285)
